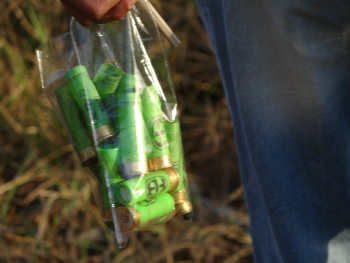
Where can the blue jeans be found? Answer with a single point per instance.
(285, 66)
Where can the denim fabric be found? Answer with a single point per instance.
(285, 66)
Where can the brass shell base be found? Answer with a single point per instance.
(158, 163)
(88, 156)
(103, 133)
(182, 204)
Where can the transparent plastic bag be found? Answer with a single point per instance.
(118, 108)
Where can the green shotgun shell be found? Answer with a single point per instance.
(85, 94)
(158, 154)
(180, 194)
(145, 213)
(107, 79)
(176, 152)
(106, 82)
(133, 159)
(146, 186)
(108, 157)
(129, 83)
(82, 142)
(111, 106)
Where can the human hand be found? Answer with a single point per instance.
(88, 12)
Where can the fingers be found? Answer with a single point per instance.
(89, 12)
(118, 11)
(81, 18)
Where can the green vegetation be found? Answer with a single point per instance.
(47, 212)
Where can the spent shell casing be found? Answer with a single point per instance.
(145, 213)
(111, 106)
(158, 153)
(108, 156)
(133, 159)
(181, 193)
(85, 94)
(106, 82)
(176, 151)
(129, 83)
(79, 135)
(107, 79)
(147, 185)
(108, 170)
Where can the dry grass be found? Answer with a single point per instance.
(46, 208)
